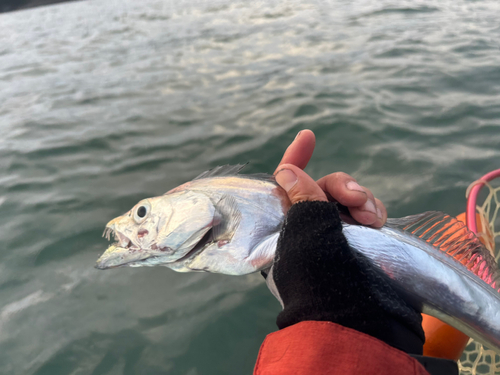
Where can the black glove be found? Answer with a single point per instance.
(317, 276)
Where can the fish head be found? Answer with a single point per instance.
(158, 230)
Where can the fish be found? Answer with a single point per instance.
(226, 222)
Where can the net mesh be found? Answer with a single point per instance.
(476, 358)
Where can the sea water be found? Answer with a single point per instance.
(103, 103)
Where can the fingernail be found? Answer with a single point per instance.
(297, 136)
(379, 213)
(286, 179)
(353, 185)
(370, 207)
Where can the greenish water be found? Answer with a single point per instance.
(105, 103)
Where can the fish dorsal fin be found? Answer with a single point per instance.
(227, 218)
(222, 170)
(454, 239)
(233, 170)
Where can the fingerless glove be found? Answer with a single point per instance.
(320, 277)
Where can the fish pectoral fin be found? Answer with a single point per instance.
(228, 218)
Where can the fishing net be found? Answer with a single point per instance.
(485, 221)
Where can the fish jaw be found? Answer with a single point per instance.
(116, 256)
(119, 256)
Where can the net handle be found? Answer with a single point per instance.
(472, 193)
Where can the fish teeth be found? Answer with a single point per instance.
(123, 240)
(107, 233)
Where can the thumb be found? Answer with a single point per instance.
(298, 184)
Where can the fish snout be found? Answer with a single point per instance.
(112, 224)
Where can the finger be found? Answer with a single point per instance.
(366, 214)
(381, 213)
(298, 184)
(343, 189)
(300, 150)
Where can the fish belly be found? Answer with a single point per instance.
(433, 282)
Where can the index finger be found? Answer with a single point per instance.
(344, 189)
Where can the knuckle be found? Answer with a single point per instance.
(341, 177)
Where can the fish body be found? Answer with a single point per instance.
(228, 223)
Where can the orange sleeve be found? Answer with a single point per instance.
(314, 347)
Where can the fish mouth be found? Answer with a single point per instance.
(120, 253)
(125, 253)
(121, 239)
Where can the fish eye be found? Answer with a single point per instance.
(141, 211)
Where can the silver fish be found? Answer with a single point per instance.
(228, 223)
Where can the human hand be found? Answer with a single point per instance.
(338, 187)
(316, 275)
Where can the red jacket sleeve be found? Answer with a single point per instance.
(315, 347)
